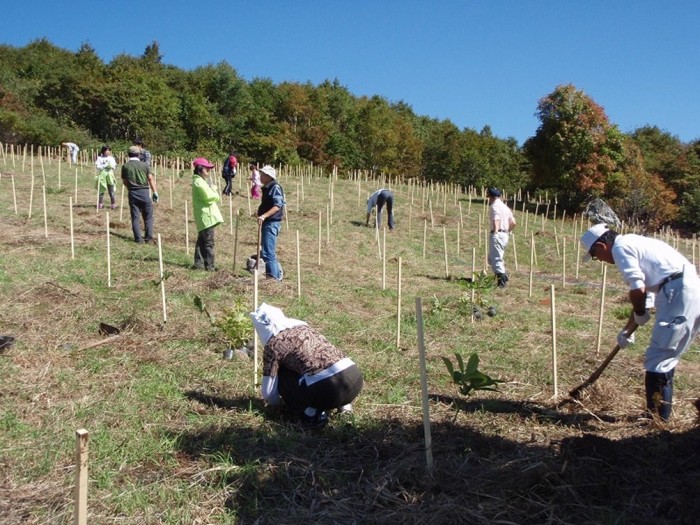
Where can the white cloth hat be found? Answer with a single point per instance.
(269, 171)
(589, 238)
(269, 321)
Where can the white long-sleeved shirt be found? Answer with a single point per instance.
(644, 262)
(105, 163)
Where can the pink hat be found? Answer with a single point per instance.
(201, 161)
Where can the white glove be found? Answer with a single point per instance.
(641, 320)
(623, 339)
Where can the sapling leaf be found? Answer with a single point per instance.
(448, 365)
(472, 364)
(460, 362)
(471, 378)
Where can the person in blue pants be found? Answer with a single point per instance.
(270, 214)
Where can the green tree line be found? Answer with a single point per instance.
(49, 95)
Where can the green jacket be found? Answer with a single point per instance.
(204, 199)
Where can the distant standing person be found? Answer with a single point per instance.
(303, 369)
(145, 155)
(229, 170)
(207, 215)
(270, 214)
(73, 150)
(137, 178)
(105, 165)
(502, 222)
(377, 200)
(255, 184)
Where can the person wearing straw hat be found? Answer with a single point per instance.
(207, 214)
(650, 265)
(270, 214)
(502, 222)
(376, 201)
(303, 368)
(137, 177)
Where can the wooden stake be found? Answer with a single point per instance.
(425, 235)
(532, 261)
(320, 233)
(235, 239)
(444, 241)
(81, 477)
(109, 257)
(46, 225)
(384, 259)
(515, 252)
(424, 388)
(121, 204)
(298, 267)
(162, 280)
(31, 197)
(255, 332)
(398, 307)
(187, 231)
(563, 263)
(554, 340)
(458, 236)
(75, 196)
(14, 193)
(230, 212)
(72, 239)
(601, 311)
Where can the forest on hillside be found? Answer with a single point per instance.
(49, 95)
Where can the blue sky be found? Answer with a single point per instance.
(475, 63)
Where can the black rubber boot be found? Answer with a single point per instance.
(659, 391)
(501, 279)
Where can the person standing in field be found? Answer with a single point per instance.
(145, 155)
(73, 150)
(650, 265)
(377, 200)
(502, 222)
(106, 165)
(229, 170)
(255, 184)
(207, 215)
(137, 177)
(303, 369)
(270, 214)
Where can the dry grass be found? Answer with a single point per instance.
(178, 435)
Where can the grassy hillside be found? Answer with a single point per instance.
(180, 435)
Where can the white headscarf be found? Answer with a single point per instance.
(269, 321)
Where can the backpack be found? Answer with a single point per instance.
(229, 169)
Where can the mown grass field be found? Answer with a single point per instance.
(179, 435)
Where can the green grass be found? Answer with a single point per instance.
(179, 435)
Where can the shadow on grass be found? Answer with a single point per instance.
(524, 409)
(241, 403)
(361, 470)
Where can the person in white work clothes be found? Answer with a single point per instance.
(502, 222)
(73, 150)
(650, 265)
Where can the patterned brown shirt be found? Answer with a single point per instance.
(300, 349)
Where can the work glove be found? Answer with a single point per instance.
(155, 197)
(623, 339)
(641, 320)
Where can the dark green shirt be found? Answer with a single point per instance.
(135, 174)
